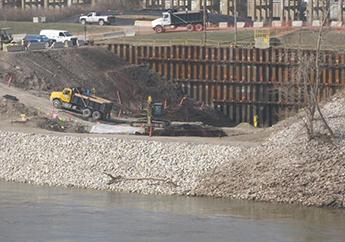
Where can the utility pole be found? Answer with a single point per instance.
(85, 30)
(235, 20)
(205, 21)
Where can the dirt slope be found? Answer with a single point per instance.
(86, 67)
(44, 71)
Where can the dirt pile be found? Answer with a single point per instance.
(190, 130)
(60, 125)
(16, 113)
(12, 110)
(190, 111)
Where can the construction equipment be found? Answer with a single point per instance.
(262, 39)
(5, 37)
(152, 115)
(82, 101)
(193, 21)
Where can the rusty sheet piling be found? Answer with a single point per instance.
(240, 82)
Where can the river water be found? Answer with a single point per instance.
(33, 213)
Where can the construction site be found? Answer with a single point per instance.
(194, 109)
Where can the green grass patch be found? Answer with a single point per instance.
(192, 37)
(35, 28)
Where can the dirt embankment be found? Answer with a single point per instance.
(127, 85)
(86, 67)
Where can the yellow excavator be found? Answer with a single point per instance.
(151, 117)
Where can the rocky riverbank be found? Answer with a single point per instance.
(147, 167)
(285, 168)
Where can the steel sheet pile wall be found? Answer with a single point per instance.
(240, 82)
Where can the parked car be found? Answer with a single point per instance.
(60, 36)
(37, 38)
(96, 17)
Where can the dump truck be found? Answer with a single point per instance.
(82, 101)
(192, 20)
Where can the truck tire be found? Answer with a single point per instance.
(57, 103)
(87, 113)
(199, 27)
(96, 115)
(190, 27)
(101, 22)
(159, 29)
(83, 21)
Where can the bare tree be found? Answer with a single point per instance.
(308, 76)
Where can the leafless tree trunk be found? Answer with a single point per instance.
(316, 87)
(308, 79)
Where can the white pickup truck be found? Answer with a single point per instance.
(96, 17)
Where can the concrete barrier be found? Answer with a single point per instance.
(223, 25)
(57, 45)
(14, 48)
(142, 23)
(241, 25)
(68, 44)
(130, 33)
(81, 42)
(336, 24)
(40, 19)
(110, 35)
(258, 24)
(35, 20)
(316, 23)
(18, 37)
(37, 46)
(297, 24)
(113, 35)
(276, 24)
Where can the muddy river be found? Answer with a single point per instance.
(33, 213)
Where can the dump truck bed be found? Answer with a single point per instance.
(93, 102)
(187, 18)
(93, 98)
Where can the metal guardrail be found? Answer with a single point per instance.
(170, 42)
(212, 43)
(40, 46)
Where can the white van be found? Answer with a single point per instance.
(60, 36)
